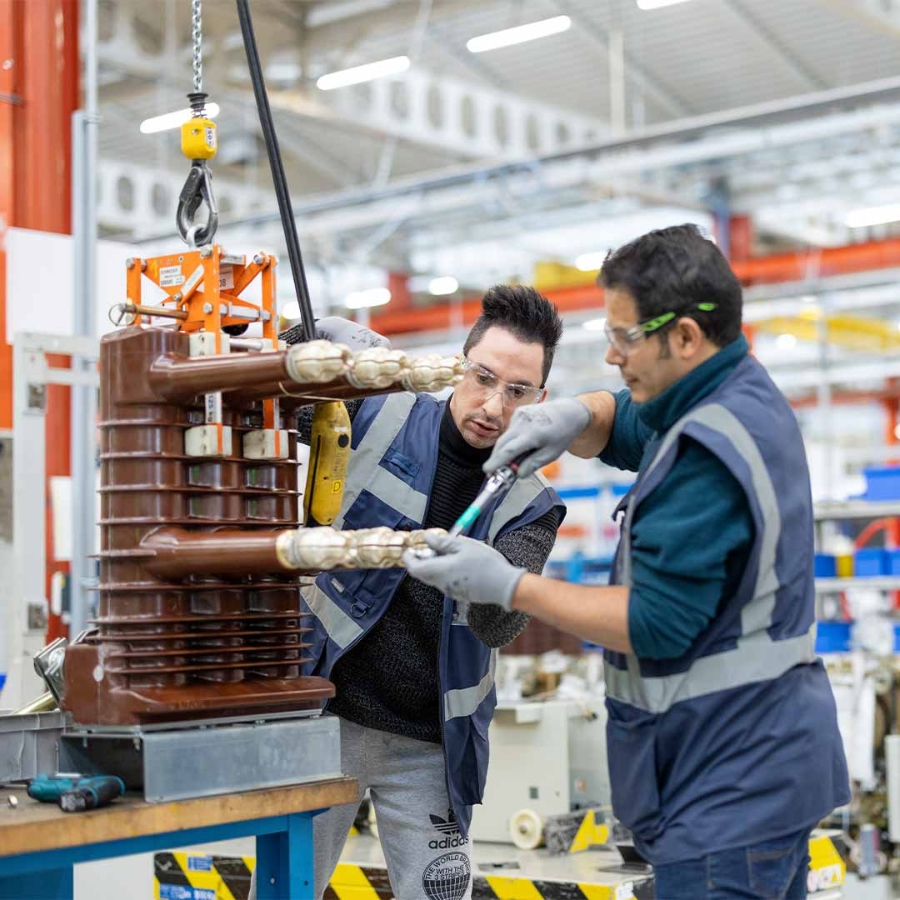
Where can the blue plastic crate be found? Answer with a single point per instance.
(825, 565)
(868, 563)
(832, 637)
(893, 562)
(882, 483)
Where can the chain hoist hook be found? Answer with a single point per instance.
(198, 143)
(197, 190)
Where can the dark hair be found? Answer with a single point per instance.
(672, 270)
(521, 310)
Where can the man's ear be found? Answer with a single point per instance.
(688, 336)
(542, 397)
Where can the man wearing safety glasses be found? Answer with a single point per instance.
(722, 736)
(413, 670)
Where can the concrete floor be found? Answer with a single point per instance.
(131, 877)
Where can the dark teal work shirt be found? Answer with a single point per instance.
(691, 537)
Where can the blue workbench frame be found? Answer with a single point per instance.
(284, 858)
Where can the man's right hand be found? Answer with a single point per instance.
(539, 434)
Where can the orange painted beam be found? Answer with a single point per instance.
(761, 270)
(860, 257)
(442, 316)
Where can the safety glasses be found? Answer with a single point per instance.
(484, 382)
(626, 340)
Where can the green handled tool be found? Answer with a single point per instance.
(499, 481)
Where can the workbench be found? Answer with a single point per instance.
(39, 844)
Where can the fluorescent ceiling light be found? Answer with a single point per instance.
(518, 35)
(785, 342)
(590, 262)
(365, 299)
(176, 119)
(873, 215)
(594, 324)
(657, 4)
(445, 284)
(358, 74)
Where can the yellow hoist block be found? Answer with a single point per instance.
(198, 138)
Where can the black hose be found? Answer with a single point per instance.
(281, 189)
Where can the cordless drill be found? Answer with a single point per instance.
(75, 793)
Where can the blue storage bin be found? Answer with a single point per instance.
(871, 562)
(825, 565)
(882, 483)
(893, 562)
(832, 637)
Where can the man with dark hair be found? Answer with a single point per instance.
(722, 735)
(413, 670)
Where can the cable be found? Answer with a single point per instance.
(275, 164)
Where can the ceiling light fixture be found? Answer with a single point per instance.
(358, 74)
(657, 4)
(442, 286)
(873, 215)
(170, 120)
(518, 35)
(368, 298)
(590, 262)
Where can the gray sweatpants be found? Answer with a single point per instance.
(427, 858)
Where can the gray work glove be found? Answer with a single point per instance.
(466, 570)
(543, 432)
(355, 336)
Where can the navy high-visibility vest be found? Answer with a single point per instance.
(389, 479)
(736, 741)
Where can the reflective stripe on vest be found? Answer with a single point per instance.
(337, 624)
(516, 501)
(365, 473)
(465, 701)
(756, 657)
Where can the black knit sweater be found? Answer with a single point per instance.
(389, 681)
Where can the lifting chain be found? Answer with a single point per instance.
(198, 144)
(197, 38)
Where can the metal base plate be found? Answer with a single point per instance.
(205, 760)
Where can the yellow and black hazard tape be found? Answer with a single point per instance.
(190, 876)
(828, 855)
(199, 876)
(575, 832)
(351, 882)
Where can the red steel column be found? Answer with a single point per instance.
(39, 81)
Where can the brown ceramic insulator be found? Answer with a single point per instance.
(181, 378)
(196, 617)
(222, 635)
(179, 554)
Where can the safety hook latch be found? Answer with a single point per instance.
(197, 190)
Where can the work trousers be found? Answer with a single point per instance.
(427, 858)
(770, 870)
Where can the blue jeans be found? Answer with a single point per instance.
(771, 870)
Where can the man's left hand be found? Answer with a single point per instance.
(466, 570)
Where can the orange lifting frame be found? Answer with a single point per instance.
(204, 286)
